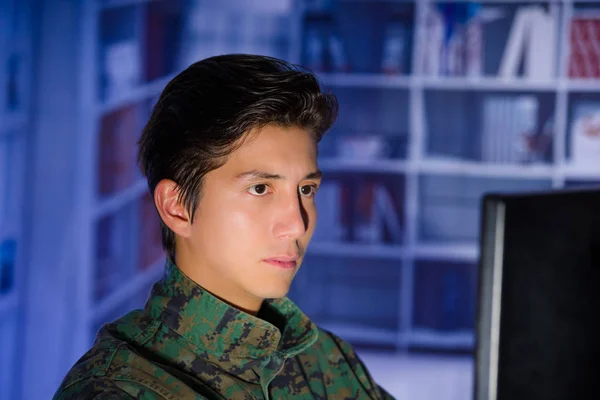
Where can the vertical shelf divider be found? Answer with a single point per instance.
(561, 111)
(415, 155)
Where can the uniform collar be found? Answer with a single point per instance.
(222, 335)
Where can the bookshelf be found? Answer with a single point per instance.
(440, 115)
(394, 260)
(15, 75)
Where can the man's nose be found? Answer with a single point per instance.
(293, 219)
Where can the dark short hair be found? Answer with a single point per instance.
(204, 112)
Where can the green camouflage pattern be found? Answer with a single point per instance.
(188, 344)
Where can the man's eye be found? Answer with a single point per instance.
(259, 190)
(308, 190)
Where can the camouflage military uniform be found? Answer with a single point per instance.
(187, 344)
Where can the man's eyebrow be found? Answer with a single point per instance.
(318, 174)
(256, 174)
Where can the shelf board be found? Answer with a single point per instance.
(8, 303)
(576, 173)
(441, 340)
(140, 93)
(454, 252)
(469, 168)
(360, 250)
(129, 289)
(357, 165)
(359, 332)
(584, 85)
(365, 80)
(119, 200)
(488, 83)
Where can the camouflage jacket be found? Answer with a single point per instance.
(187, 344)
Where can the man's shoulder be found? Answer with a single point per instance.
(88, 376)
(113, 370)
(92, 388)
(112, 355)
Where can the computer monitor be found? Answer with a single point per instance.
(538, 318)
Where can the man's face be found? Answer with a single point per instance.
(255, 218)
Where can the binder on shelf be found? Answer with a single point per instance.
(8, 255)
(515, 44)
(584, 40)
(163, 38)
(445, 295)
(532, 36)
(540, 59)
(117, 167)
(508, 122)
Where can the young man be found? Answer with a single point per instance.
(230, 154)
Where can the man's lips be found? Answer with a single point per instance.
(283, 261)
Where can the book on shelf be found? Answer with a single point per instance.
(328, 40)
(397, 39)
(355, 209)
(354, 290)
(532, 42)
(115, 242)
(117, 147)
(510, 131)
(453, 40)
(14, 81)
(584, 137)
(584, 44)
(211, 28)
(8, 255)
(107, 262)
(163, 36)
(445, 298)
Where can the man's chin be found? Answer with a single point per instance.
(275, 293)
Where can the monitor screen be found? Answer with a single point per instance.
(538, 330)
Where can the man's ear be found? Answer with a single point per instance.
(173, 212)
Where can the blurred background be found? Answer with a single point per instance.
(440, 103)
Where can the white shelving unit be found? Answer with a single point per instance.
(421, 173)
(488, 84)
(419, 162)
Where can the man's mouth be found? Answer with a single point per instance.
(286, 262)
